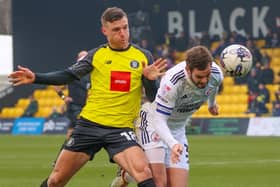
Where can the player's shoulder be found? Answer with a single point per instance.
(146, 52)
(94, 50)
(140, 48)
(176, 73)
(172, 81)
(147, 106)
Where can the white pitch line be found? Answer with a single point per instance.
(236, 162)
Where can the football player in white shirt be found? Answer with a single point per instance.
(160, 128)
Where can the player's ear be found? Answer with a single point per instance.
(188, 69)
(103, 30)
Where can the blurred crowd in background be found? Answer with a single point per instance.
(173, 49)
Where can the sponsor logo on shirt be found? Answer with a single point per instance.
(189, 107)
(120, 81)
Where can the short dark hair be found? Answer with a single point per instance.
(112, 14)
(198, 57)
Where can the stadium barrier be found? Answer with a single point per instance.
(34, 126)
(257, 126)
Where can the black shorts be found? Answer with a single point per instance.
(90, 137)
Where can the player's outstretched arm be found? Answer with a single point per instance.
(155, 70)
(22, 76)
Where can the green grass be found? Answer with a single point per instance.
(216, 161)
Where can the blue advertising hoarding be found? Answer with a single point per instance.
(28, 126)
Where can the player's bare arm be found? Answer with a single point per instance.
(155, 70)
(22, 76)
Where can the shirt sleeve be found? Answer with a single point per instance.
(161, 128)
(217, 78)
(54, 78)
(74, 72)
(149, 85)
(164, 104)
(83, 66)
(166, 97)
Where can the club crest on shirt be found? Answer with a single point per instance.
(134, 64)
(166, 89)
(155, 137)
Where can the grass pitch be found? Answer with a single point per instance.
(216, 161)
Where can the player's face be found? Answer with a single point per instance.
(117, 33)
(200, 77)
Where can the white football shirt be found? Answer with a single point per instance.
(179, 98)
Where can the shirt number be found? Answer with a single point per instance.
(129, 135)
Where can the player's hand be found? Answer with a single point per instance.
(68, 100)
(155, 70)
(22, 76)
(177, 151)
(214, 110)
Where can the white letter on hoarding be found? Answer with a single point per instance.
(216, 25)
(175, 22)
(258, 21)
(192, 24)
(238, 12)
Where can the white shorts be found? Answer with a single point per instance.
(156, 150)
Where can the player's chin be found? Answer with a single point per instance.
(201, 86)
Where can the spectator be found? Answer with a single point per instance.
(264, 92)
(267, 74)
(205, 39)
(253, 81)
(268, 38)
(238, 38)
(276, 104)
(144, 43)
(222, 44)
(32, 108)
(257, 56)
(277, 95)
(262, 99)
(56, 113)
(275, 40)
(252, 102)
(266, 59)
(181, 42)
(276, 109)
